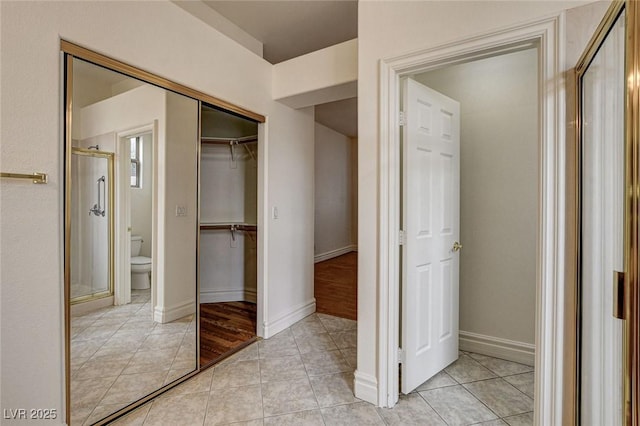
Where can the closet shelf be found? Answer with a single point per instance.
(228, 141)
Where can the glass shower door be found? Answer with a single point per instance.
(602, 106)
(92, 225)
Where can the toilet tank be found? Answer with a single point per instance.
(136, 243)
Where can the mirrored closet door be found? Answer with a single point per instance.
(134, 160)
(131, 184)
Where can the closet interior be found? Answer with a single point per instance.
(228, 233)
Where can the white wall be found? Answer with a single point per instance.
(188, 52)
(413, 26)
(498, 191)
(326, 75)
(178, 175)
(289, 253)
(333, 193)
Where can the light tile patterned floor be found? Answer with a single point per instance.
(119, 354)
(304, 376)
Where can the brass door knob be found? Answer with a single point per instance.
(457, 246)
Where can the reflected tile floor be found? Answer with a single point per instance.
(304, 376)
(119, 354)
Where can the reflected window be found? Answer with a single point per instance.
(136, 162)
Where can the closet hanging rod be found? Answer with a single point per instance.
(229, 227)
(227, 141)
(35, 177)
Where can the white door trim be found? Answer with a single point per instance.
(548, 35)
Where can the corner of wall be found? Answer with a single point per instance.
(365, 387)
(286, 320)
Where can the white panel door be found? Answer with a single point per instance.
(431, 222)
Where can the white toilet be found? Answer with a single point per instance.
(140, 266)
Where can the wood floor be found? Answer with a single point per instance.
(225, 328)
(229, 326)
(336, 286)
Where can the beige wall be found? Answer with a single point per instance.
(333, 192)
(189, 52)
(498, 191)
(408, 27)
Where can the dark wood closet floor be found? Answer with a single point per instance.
(336, 286)
(225, 328)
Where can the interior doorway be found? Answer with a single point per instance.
(549, 350)
(335, 236)
(469, 212)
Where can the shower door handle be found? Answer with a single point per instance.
(98, 209)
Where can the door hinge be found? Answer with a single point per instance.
(402, 119)
(401, 356)
(618, 294)
(401, 237)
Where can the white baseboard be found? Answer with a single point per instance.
(510, 350)
(163, 314)
(365, 387)
(86, 307)
(217, 296)
(286, 320)
(334, 253)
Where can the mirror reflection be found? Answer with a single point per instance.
(132, 208)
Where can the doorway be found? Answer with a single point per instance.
(469, 212)
(544, 36)
(335, 224)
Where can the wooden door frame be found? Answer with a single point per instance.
(547, 35)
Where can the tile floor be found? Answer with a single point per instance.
(119, 354)
(304, 376)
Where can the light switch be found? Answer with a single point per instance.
(274, 212)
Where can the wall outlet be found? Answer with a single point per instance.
(181, 210)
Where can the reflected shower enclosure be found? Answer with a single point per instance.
(91, 225)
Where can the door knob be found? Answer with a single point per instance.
(456, 246)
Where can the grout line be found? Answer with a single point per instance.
(434, 410)
(481, 402)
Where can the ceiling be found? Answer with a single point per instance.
(288, 29)
(341, 116)
(292, 28)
